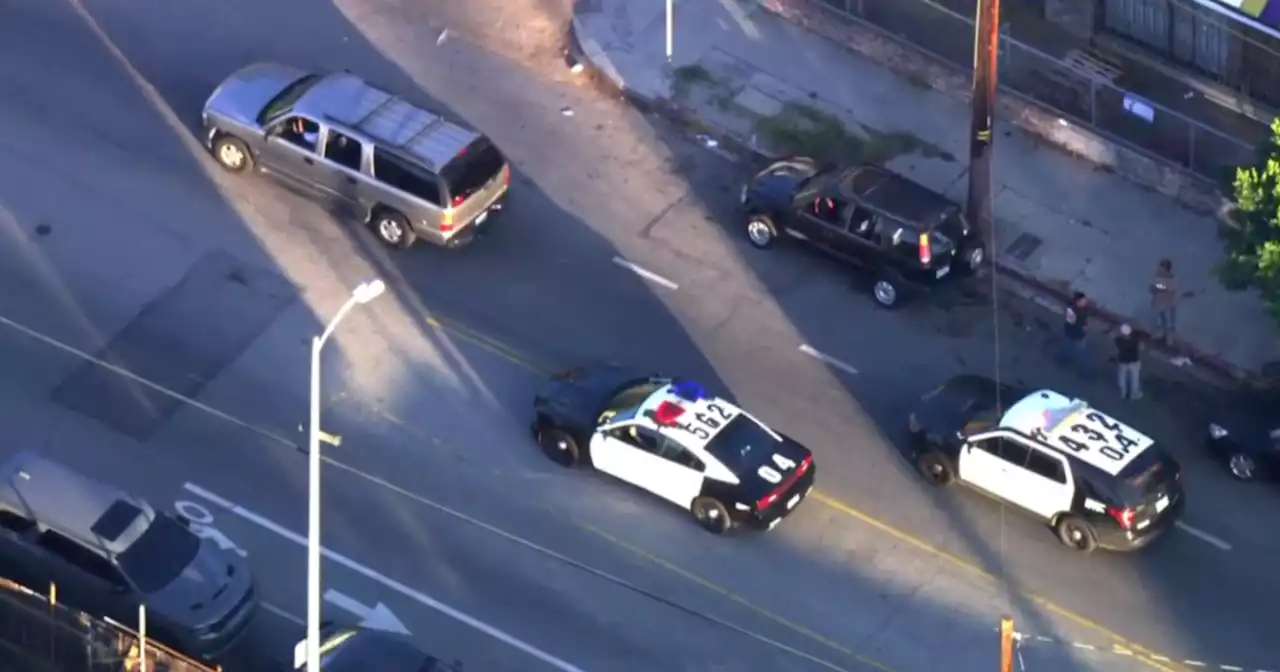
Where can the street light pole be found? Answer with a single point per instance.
(986, 42)
(364, 293)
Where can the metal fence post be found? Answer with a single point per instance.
(1006, 644)
(1093, 102)
(1191, 147)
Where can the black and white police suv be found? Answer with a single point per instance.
(670, 438)
(1095, 480)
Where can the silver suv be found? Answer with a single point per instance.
(404, 170)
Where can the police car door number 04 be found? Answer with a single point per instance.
(1097, 439)
(772, 475)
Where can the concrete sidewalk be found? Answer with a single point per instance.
(755, 81)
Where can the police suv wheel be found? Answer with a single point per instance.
(1074, 533)
(1241, 466)
(559, 447)
(393, 229)
(761, 232)
(711, 515)
(935, 469)
(232, 154)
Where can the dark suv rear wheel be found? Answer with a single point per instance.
(887, 291)
(760, 232)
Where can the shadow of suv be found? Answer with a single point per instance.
(907, 238)
(404, 170)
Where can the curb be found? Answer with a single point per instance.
(1205, 367)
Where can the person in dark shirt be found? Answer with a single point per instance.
(1075, 332)
(1129, 361)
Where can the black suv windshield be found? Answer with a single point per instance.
(283, 102)
(742, 445)
(159, 555)
(471, 169)
(624, 404)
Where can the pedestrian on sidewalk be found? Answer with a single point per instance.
(1164, 302)
(1129, 361)
(1075, 332)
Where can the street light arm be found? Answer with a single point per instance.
(337, 317)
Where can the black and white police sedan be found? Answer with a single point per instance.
(670, 438)
(1095, 480)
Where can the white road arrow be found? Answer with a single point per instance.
(378, 617)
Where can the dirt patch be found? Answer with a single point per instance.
(809, 131)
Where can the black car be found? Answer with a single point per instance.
(1245, 436)
(1097, 482)
(106, 553)
(907, 238)
(348, 649)
(670, 438)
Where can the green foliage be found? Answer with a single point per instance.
(1253, 243)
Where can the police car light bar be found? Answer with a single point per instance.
(668, 413)
(1055, 417)
(688, 390)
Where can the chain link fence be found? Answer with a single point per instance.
(39, 635)
(1080, 90)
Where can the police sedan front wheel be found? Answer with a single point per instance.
(711, 515)
(935, 469)
(559, 447)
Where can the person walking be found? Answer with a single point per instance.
(1075, 332)
(1164, 302)
(1129, 362)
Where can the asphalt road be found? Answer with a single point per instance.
(119, 230)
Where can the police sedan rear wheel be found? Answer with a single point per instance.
(711, 515)
(1075, 533)
(1241, 466)
(558, 446)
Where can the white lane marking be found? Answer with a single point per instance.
(828, 359)
(1203, 536)
(377, 617)
(282, 613)
(645, 273)
(421, 598)
(59, 345)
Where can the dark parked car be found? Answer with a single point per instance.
(107, 552)
(1245, 435)
(907, 238)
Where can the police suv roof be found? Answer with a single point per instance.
(1076, 429)
(91, 512)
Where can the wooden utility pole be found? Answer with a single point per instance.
(1006, 644)
(986, 42)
